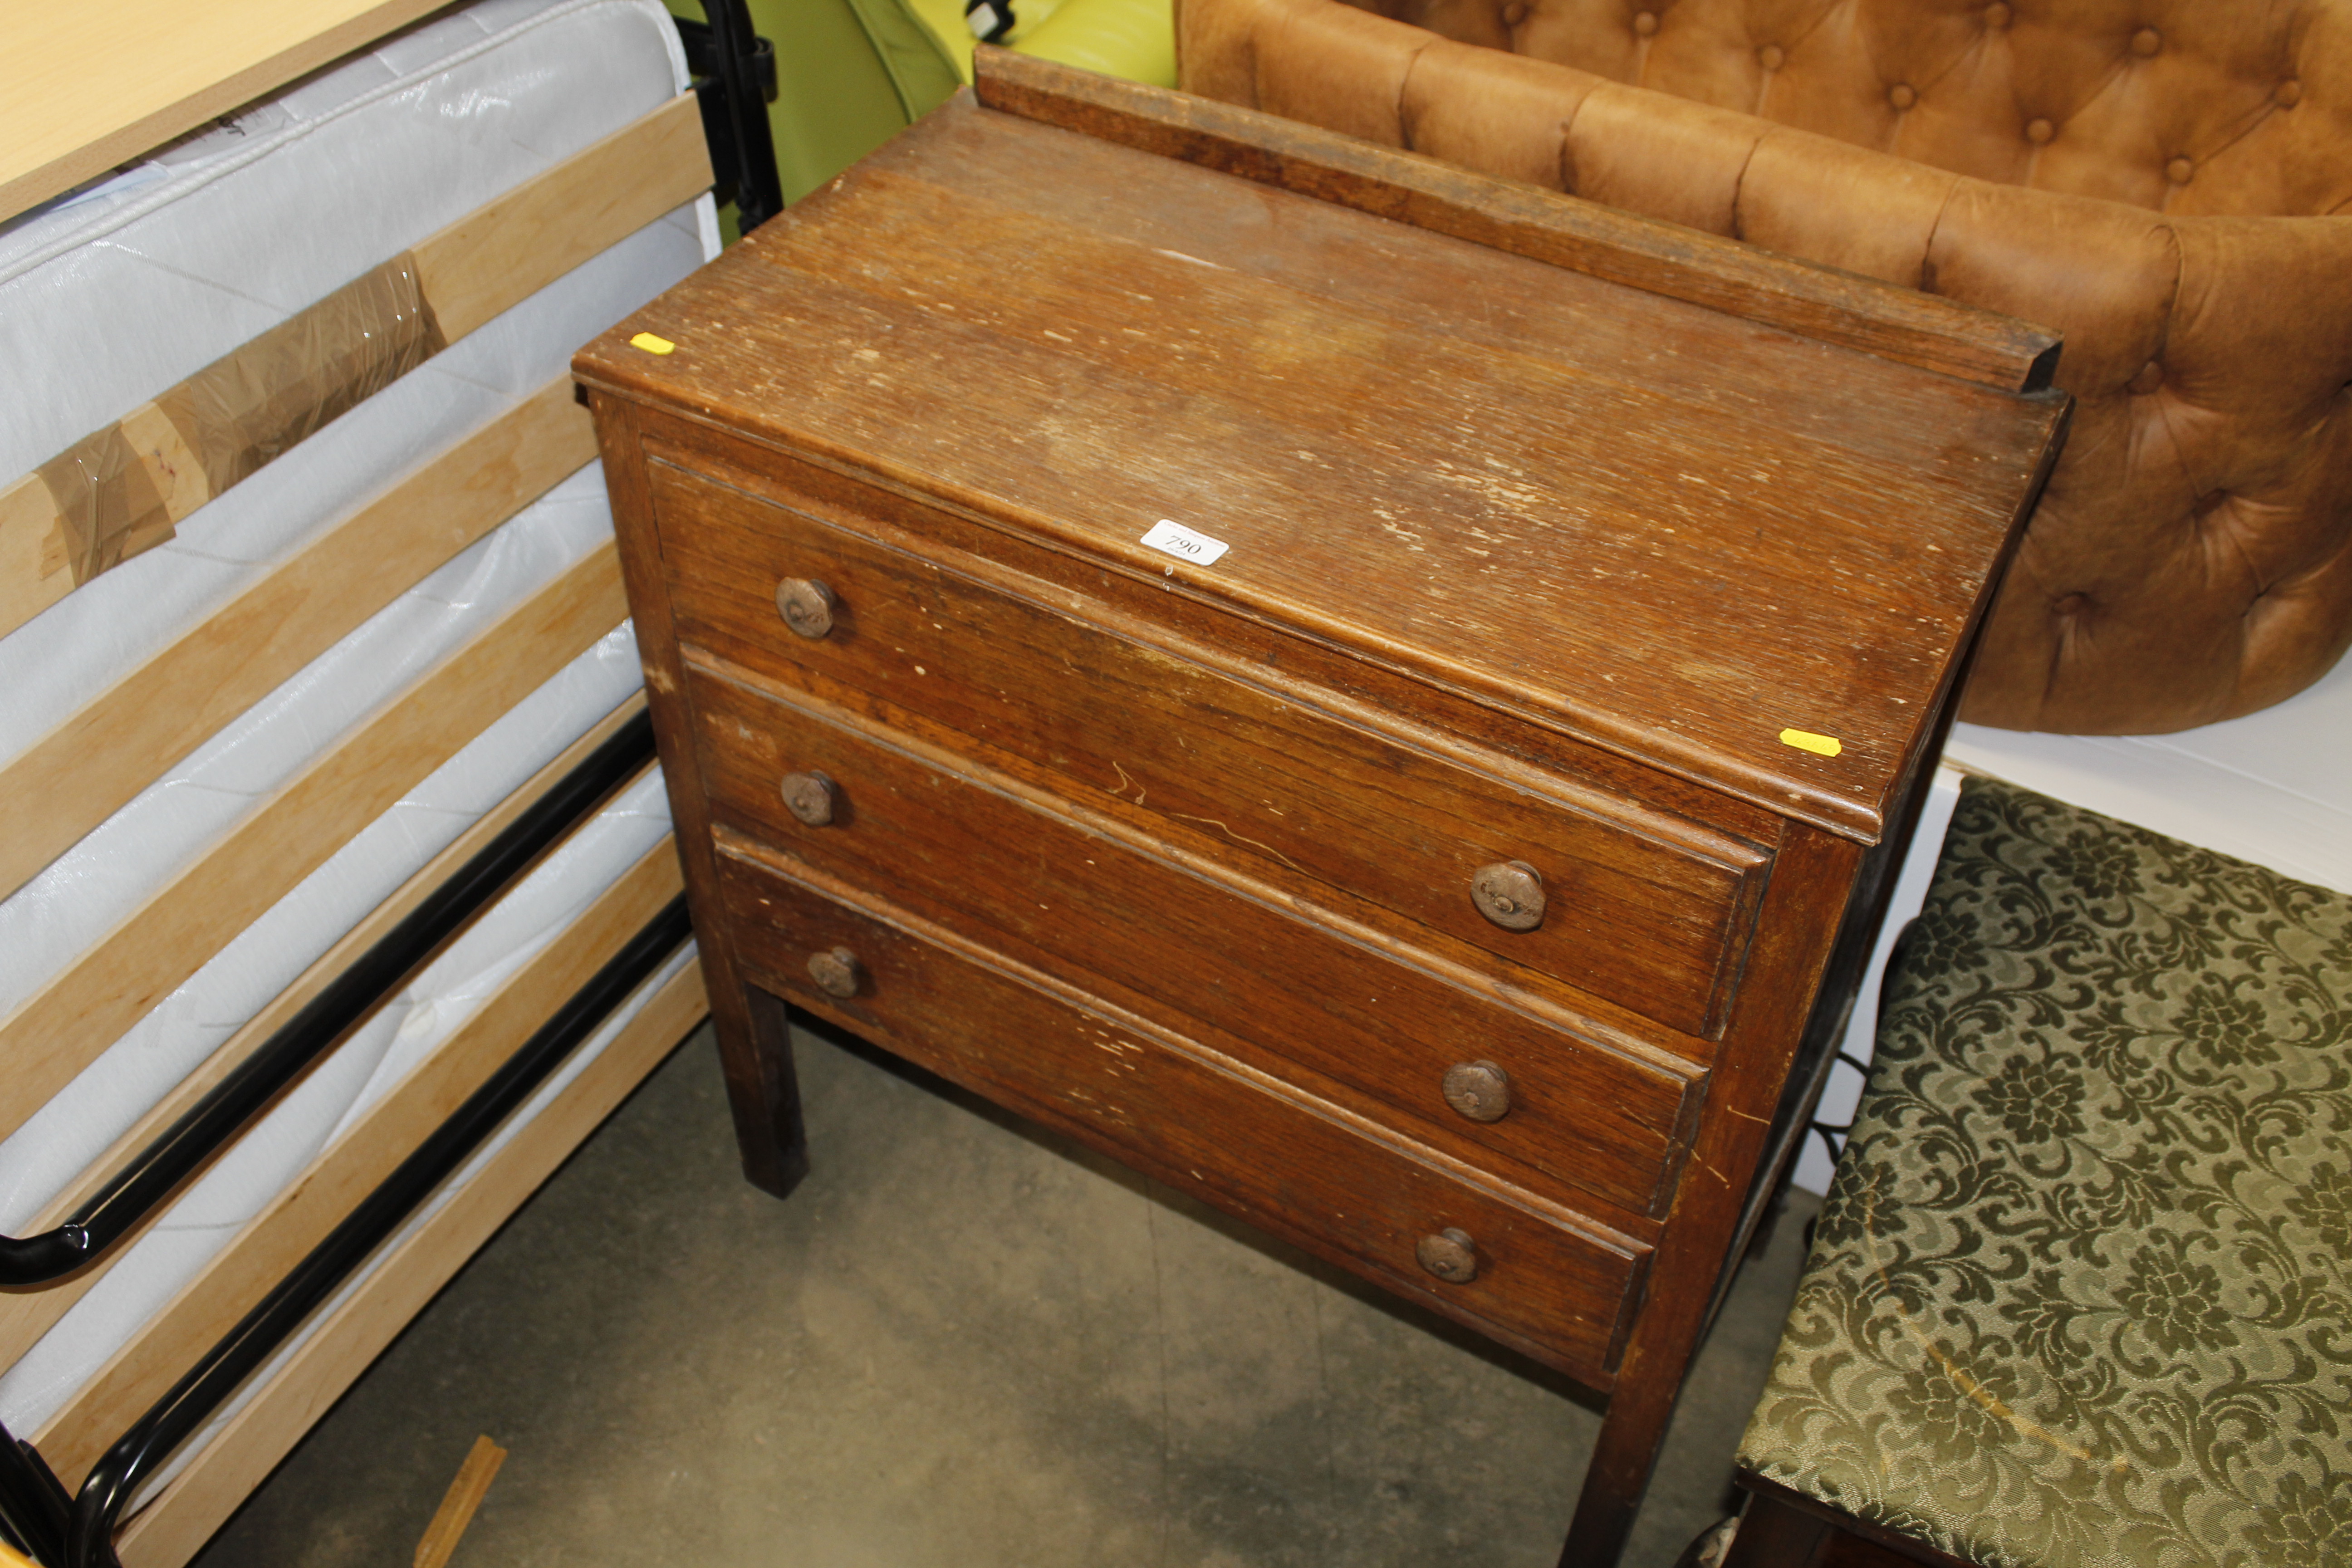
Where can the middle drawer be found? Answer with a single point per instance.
(981, 855)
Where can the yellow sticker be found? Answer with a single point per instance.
(652, 344)
(1806, 740)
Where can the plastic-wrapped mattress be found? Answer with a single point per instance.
(116, 295)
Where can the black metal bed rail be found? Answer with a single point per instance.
(734, 73)
(36, 1509)
(158, 1170)
(81, 1534)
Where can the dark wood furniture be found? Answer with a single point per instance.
(1784, 1529)
(1435, 876)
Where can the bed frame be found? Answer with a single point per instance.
(63, 1488)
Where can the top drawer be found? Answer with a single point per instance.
(1242, 754)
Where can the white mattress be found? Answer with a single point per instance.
(86, 892)
(341, 173)
(168, 276)
(359, 1073)
(115, 1091)
(73, 651)
(168, 265)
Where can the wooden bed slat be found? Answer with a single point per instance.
(346, 1171)
(33, 575)
(64, 1026)
(511, 247)
(485, 263)
(26, 1314)
(91, 765)
(173, 1528)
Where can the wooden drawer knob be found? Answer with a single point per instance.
(1479, 1091)
(1510, 893)
(837, 973)
(1450, 1255)
(806, 605)
(810, 797)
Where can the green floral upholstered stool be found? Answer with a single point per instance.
(2079, 1296)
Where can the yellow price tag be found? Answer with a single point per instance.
(1806, 740)
(652, 344)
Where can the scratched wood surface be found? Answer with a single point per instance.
(1656, 526)
(1652, 913)
(981, 853)
(1292, 1164)
(1525, 561)
(1659, 258)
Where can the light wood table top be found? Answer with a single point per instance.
(85, 88)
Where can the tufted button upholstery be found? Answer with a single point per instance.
(2123, 172)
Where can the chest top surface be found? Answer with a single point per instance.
(1659, 527)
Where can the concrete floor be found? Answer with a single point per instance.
(962, 1341)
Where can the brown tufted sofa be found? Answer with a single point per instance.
(2166, 183)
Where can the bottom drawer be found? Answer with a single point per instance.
(1199, 1121)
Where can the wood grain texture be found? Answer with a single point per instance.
(1252, 648)
(762, 1091)
(170, 1530)
(1804, 909)
(1206, 1125)
(1772, 1535)
(318, 1198)
(457, 1511)
(90, 766)
(1519, 556)
(63, 1026)
(1900, 324)
(1783, 1528)
(486, 262)
(510, 249)
(26, 1314)
(170, 67)
(1652, 915)
(1179, 938)
(1522, 509)
(33, 570)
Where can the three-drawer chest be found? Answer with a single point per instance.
(1379, 698)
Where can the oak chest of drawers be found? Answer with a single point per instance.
(1377, 697)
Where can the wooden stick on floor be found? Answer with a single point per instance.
(457, 1509)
